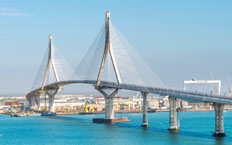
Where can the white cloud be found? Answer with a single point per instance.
(11, 12)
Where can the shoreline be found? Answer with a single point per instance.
(127, 112)
(131, 112)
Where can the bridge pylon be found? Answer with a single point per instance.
(50, 64)
(108, 50)
(109, 98)
(50, 67)
(49, 74)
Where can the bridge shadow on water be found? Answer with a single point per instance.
(175, 134)
(83, 120)
(172, 134)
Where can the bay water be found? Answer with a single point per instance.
(196, 128)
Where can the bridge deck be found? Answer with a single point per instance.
(183, 95)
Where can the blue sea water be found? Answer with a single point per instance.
(196, 128)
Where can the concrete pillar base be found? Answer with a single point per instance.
(145, 125)
(219, 134)
(174, 128)
(115, 120)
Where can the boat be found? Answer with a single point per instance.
(35, 114)
(18, 115)
(48, 114)
(14, 115)
(151, 111)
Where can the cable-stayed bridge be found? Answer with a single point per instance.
(111, 65)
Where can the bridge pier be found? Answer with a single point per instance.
(109, 103)
(145, 120)
(51, 98)
(173, 123)
(109, 108)
(219, 121)
(32, 103)
(37, 101)
(29, 101)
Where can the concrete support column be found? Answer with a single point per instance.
(32, 102)
(173, 124)
(219, 121)
(51, 98)
(145, 120)
(37, 101)
(29, 101)
(109, 103)
(109, 107)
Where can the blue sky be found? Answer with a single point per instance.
(178, 39)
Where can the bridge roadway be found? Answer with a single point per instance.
(183, 95)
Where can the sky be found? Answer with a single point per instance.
(179, 39)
